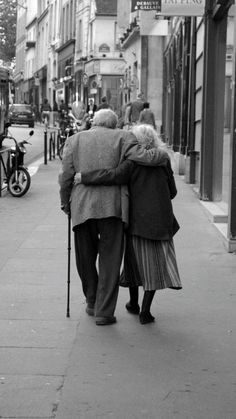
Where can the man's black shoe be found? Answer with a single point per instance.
(103, 321)
(90, 311)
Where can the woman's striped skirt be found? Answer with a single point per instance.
(151, 263)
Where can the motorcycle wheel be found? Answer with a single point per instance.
(20, 187)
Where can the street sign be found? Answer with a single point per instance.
(171, 7)
(146, 5)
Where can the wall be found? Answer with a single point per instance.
(155, 76)
(102, 36)
(132, 54)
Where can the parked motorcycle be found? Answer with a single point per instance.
(17, 176)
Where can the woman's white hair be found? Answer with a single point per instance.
(105, 118)
(147, 136)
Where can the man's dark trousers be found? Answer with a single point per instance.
(103, 237)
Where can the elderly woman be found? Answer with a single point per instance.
(150, 258)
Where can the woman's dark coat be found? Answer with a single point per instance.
(151, 190)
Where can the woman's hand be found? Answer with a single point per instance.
(77, 178)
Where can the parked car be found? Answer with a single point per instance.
(21, 114)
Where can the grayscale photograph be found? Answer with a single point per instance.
(117, 209)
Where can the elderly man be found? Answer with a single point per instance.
(99, 213)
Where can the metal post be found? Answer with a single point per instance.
(58, 142)
(50, 147)
(54, 145)
(68, 267)
(45, 146)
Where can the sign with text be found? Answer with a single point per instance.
(146, 5)
(171, 7)
(182, 7)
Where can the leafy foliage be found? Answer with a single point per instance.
(7, 29)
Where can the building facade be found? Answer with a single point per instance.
(143, 37)
(198, 109)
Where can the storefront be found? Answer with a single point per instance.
(102, 77)
(42, 78)
(65, 88)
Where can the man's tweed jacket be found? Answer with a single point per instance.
(98, 148)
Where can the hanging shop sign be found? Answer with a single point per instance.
(183, 7)
(146, 5)
(149, 25)
(171, 7)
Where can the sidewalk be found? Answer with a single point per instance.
(183, 366)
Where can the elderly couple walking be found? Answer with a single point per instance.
(118, 186)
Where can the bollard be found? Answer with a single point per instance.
(0, 176)
(54, 145)
(58, 142)
(45, 146)
(50, 147)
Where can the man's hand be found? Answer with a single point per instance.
(66, 209)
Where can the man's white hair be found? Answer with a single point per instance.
(105, 118)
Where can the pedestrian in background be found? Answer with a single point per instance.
(36, 112)
(55, 106)
(127, 116)
(146, 116)
(63, 113)
(99, 213)
(63, 109)
(91, 108)
(135, 108)
(45, 110)
(104, 104)
(150, 258)
(90, 111)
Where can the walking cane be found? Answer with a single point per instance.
(68, 270)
